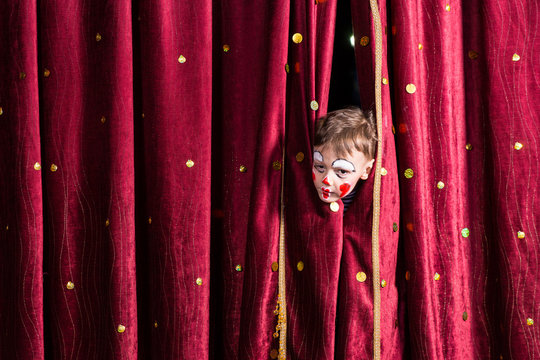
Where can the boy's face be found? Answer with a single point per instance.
(335, 176)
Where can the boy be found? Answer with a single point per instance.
(343, 153)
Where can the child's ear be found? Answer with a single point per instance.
(367, 170)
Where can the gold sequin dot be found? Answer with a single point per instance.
(515, 57)
(238, 268)
(364, 40)
(436, 277)
(190, 163)
(395, 227)
(465, 316)
(440, 185)
(276, 165)
(384, 172)
(447, 7)
(300, 266)
(297, 38)
(275, 266)
(70, 285)
(409, 173)
(37, 166)
(300, 157)
(155, 324)
(420, 46)
(46, 72)
(385, 81)
(287, 69)
(473, 55)
(314, 105)
(121, 328)
(361, 276)
(383, 283)
(103, 119)
(468, 146)
(22, 75)
(273, 354)
(465, 232)
(107, 222)
(226, 48)
(334, 206)
(242, 168)
(518, 146)
(54, 167)
(408, 275)
(181, 59)
(198, 281)
(530, 322)
(98, 37)
(410, 88)
(149, 219)
(521, 235)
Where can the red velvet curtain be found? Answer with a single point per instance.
(146, 147)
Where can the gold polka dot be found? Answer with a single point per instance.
(465, 316)
(300, 157)
(198, 281)
(149, 219)
(409, 173)
(37, 166)
(447, 7)
(530, 322)
(385, 81)
(395, 227)
(361, 276)
(273, 354)
(314, 105)
(436, 277)
(181, 59)
(54, 167)
(420, 46)
(190, 163)
(275, 266)
(287, 69)
(242, 168)
(518, 146)
(22, 75)
(238, 268)
(103, 119)
(383, 283)
(46, 72)
(473, 55)
(440, 185)
(226, 48)
(155, 324)
(384, 172)
(107, 222)
(297, 38)
(98, 37)
(408, 275)
(410, 88)
(468, 146)
(521, 235)
(70, 285)
(121, 328)
(276, 165)
(516, 57)
(364, 41)
(334, 206)
(465, 232)
(300, 266)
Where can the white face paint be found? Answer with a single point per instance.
(317, 156)
(343, 164)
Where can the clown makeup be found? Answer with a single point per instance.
(335, 176)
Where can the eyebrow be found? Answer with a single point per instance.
(344, 166)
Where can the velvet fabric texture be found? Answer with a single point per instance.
(143, 146)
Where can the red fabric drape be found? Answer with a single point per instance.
(142, 158)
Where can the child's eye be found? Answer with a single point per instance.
(319, 168)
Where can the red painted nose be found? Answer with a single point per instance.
(325, 181)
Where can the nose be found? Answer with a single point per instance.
(325, 181)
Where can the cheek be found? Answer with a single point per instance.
(344, 188)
